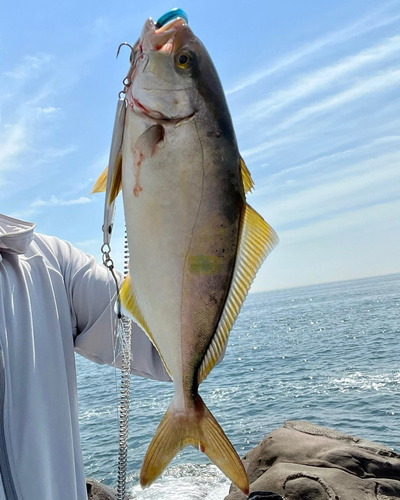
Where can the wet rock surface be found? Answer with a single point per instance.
(303, 461)
(99, 491)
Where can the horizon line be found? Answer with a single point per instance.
(325, 283)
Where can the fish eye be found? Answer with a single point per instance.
(184, 60)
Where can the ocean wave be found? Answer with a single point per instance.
(388, 382)
(189, 481)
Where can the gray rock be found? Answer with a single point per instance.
(303, 461)
(264, 495)
(99, 491)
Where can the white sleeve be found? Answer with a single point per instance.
(91, 291)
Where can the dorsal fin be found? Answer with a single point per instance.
(257, 239)
(128, 300)
(101, 183)
(248, 183)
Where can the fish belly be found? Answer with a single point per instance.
(182, 233)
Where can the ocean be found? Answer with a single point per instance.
(328, 353)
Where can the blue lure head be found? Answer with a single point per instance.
(170, 16)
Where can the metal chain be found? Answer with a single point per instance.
(125, 350)
(126, 327)
(124, 407)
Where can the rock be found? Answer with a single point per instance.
(99, 491)
(303, 461)
(264, 495)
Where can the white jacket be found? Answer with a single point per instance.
(54, 299)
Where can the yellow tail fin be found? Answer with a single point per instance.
(199, 429)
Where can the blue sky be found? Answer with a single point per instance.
(314, 92)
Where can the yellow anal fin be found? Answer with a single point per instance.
(248, 183)
(101, 183)
(128, 300)
(116, 183)
(197, 428)
(256, 241)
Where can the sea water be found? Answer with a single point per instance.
(327, 353)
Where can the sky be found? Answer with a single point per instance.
(314, 92)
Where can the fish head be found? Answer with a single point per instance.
(170, 72)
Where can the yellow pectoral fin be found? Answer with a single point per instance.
(101, 183)
(248, 183)
(116, 183)
(128, 300)
(256, 241)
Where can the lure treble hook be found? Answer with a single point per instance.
(126, 82)
(128, 45)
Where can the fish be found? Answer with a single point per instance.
(195, 243)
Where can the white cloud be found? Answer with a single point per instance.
(29, 67)
(49, 111)
(52, 153)
(24, 129)
(365, 242)
(38, 205)
(359, 28)
(273, 144)
(322, 78)
(332, 185)
(281, 133)
(13, 142)
(21, 138)
(57, 202)
(350, 220)
(18, 147)
(340, 190)
(333, 160)
(364, 87)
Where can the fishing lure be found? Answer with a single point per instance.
(171, 15)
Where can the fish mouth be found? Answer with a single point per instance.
(171, 25)
(167, 39)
